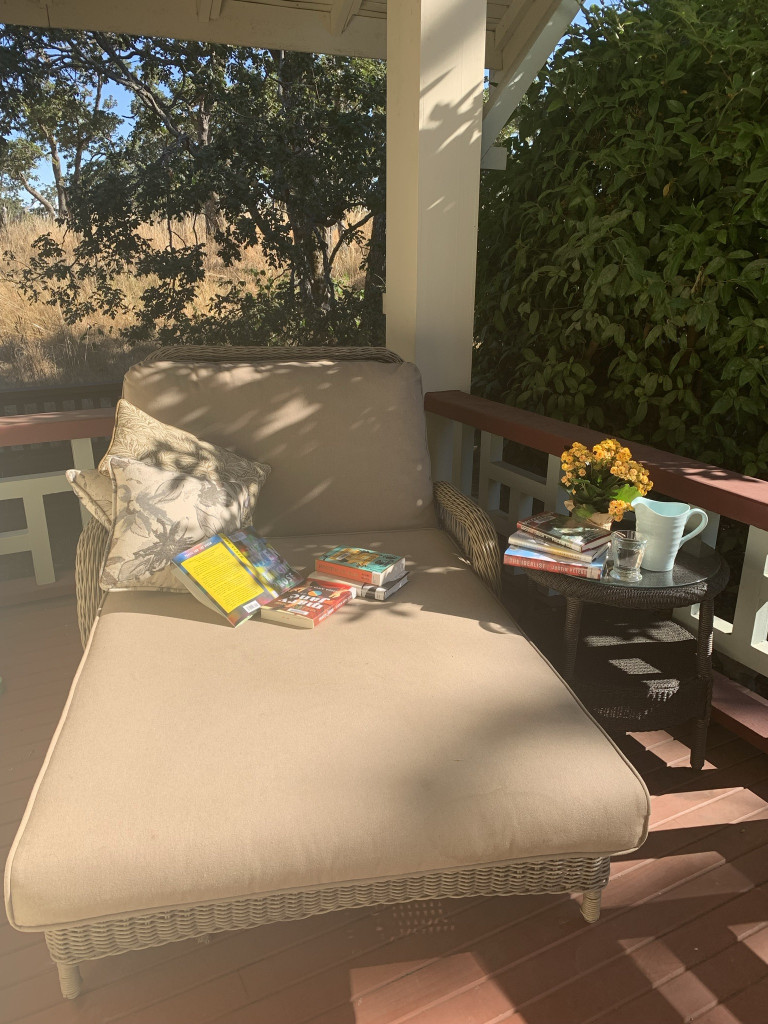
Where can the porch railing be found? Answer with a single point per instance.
(743, 638)
(719, 492)
(79, 427)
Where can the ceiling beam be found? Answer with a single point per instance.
(239, 23)
(526, 55)
(342, 13)
(208, 10)
(507, 23)
(272, 25)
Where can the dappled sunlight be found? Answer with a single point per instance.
(683, 926)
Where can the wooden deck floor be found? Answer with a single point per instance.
(683, 936)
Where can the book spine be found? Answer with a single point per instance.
(563, 542)
(590, 572)
(346, 572)
(556, 550)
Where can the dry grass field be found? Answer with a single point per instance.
(37, 347)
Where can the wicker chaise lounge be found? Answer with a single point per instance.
(204, 778)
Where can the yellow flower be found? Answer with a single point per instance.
(617, 508)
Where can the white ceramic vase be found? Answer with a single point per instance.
(662, 524)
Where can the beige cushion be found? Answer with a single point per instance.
(346, 440)
(157, 513)
(197, 762)
(94, 492)
(139, 436)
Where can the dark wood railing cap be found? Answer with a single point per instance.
(38, 427)
(730, 494)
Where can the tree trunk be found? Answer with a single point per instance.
(46, 205)
(211, 210)
(375, 268)
(58, 177)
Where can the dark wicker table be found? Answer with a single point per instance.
(678, 691)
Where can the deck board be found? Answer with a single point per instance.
(683, 935)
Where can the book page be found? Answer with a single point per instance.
(220, 574)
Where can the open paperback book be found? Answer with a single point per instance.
(235, 575)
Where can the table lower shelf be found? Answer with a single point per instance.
(637, 670)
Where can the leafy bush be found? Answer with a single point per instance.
(623, 270)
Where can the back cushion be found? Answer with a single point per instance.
(346, 440)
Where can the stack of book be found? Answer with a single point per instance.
(558, 543)
(240, 574)
(371, 574)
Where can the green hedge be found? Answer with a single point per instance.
(623, 259)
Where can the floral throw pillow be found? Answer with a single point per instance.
(158, 513)
(137, 435)
(94, 492)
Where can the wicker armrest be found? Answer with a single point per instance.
(90, 553)
(472, 530)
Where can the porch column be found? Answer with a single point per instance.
(435, 69)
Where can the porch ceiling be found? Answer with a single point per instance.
(350, 27)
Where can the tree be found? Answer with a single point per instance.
(276, 149)
(66, 124)
(623, 264)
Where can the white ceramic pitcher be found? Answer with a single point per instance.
(662, 523)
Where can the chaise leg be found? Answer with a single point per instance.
(70, 980)
(590, 905)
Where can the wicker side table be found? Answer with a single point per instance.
(695, 579)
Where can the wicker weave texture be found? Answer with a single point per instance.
(91, 549)
(260, 354)
(472, 530)
(107, 938)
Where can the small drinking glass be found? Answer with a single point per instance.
(627, 548)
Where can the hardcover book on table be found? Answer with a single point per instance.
(527, 559)
(360, 565)
(308, 604)
(523, 539)
(565, 531)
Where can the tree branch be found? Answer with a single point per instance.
(29, 187)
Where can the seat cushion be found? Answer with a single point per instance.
(346, 440)
(195, 762)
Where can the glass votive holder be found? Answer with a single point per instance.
(627, 549)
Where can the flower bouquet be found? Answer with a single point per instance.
(603, 481)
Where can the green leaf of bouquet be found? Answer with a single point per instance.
(584, 511)
(627, 492)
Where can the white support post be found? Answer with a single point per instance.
(529, 43)
(750, 620)
(489, 491)
(555, 499)
(37, 529)
(435, 69)
(82, 458)
(463, 456)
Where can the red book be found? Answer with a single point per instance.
(307, 604)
